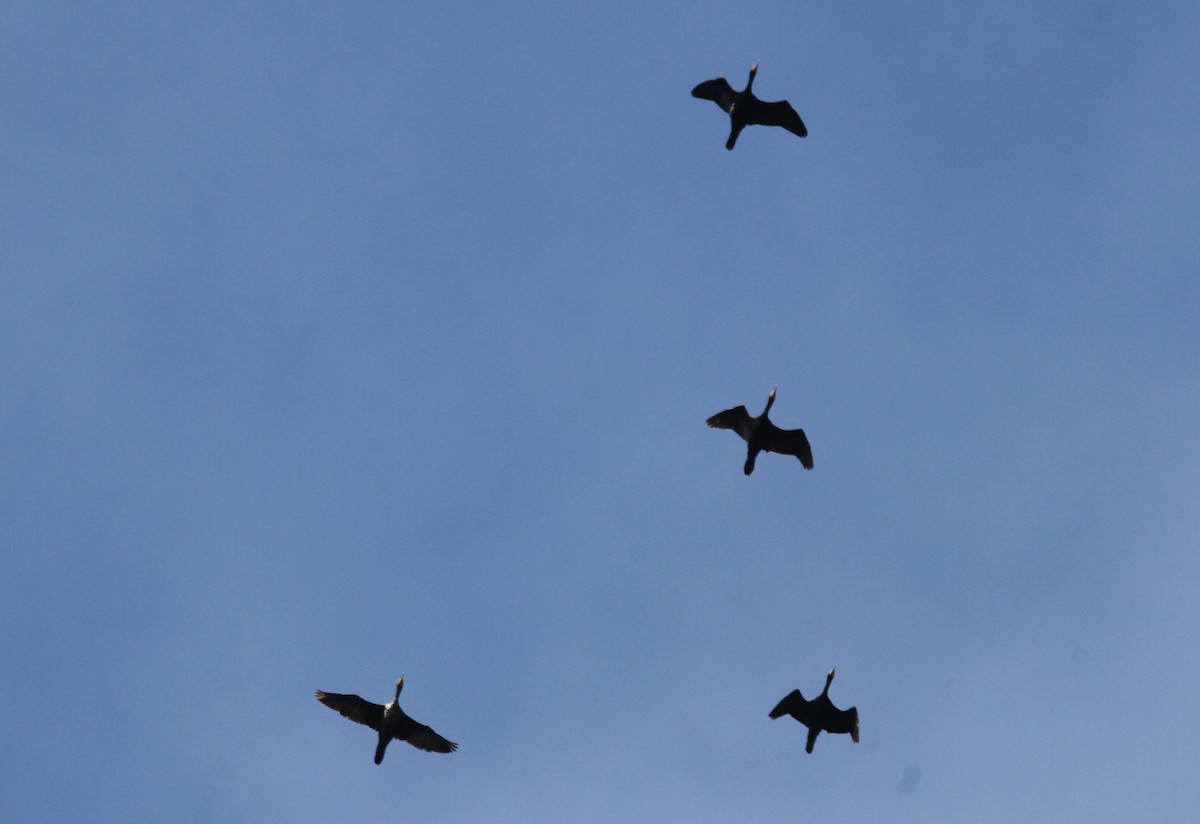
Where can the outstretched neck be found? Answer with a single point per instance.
(770, 400)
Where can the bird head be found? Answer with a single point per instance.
(399, 684)
(754, 68)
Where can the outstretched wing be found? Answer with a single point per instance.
(844, 721)
(793, 704)
(790, 442)
(718, 91)
(354, 708)
(779, 113)
(424, 738)
(737, 419)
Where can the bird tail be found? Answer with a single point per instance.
(749, 467)
(379, 750)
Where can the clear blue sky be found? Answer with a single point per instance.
(345, 340)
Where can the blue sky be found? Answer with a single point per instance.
(346, 341)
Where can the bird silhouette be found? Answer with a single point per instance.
(761, 435)
(819, 714)
(745, 109)
(389, 721)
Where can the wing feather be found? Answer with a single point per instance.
(737, 419)
(779, 113)
(793, 704)
(790, 442)
(718, 91)
(356, 709)
(424, 738)
(844, 721)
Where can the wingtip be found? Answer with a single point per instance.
(781, 709)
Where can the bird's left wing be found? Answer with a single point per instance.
(791, 442)
(356, 709)
(845, 721)
(718, 91)
(424, 738)
(779, 113)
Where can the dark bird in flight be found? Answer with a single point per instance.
(819, 715)
(390, 722)
(761, 435)
(745, 109)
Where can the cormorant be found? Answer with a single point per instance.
(819, 715)
(745, 109)
(761, 435)
(390, 722)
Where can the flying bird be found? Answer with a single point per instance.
(390, 722)
(745, 109)
(819, 715)
(761, 435)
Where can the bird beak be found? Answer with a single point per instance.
(755, 67)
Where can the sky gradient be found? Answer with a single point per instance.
(346, 341)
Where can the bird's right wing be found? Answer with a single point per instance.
(356, 709)
(793, 704)
(424, 738)
(737, 419)
(718, 91)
